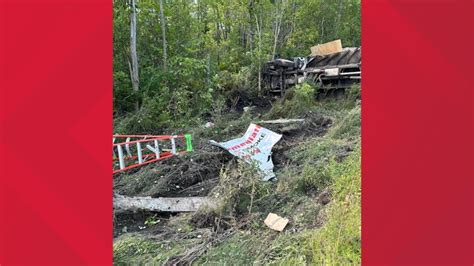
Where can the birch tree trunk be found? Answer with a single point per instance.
(133, 49)
(276, 33)
(338, 21)
(163, 35)
(279, 18)
(259, 33)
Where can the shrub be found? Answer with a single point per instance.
(296, 102)
(349, 127)
(148, 120)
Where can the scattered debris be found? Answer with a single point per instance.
(276, 222)
(248, 109)
(209, 125)
(183, 204)
(254, 147)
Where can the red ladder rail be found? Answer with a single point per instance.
(132, 151)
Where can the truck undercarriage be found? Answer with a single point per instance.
(331, 74)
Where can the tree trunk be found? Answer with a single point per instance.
(133, 50)
(338, 22)
(172, 92)
(163, 35)
(276, 33)
(279, 18)
(259, 32)
(208, 70)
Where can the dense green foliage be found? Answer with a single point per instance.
(213, 47)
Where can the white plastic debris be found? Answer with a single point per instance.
(248, 109)
(254, 147)
(209, 125)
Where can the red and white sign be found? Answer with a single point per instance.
(254, 147)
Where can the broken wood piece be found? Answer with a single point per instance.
(281, 121)
(276, 222)
(182, 204)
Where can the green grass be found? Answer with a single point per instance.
(315, 155)
(137, 250)
(338, 241)
(349, 127)
(296, 102)
(240, 249)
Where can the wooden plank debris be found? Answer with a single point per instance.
(281, 121)
(327, 48)
(182, 204)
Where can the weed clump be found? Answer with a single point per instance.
(137, 250)
(296, 102)
(239, 189)
(349, 127)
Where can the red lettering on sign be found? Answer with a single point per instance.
(249, 140)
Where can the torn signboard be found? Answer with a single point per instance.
(254, 147)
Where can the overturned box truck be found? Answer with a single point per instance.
(331, 68)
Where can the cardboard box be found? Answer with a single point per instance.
(276, 222)
(327, 48)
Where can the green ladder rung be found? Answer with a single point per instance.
(189, 143)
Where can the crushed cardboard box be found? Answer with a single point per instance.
(276, 222)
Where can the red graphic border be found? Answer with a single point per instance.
(56, 99)
(418, 119)
(417, 132)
